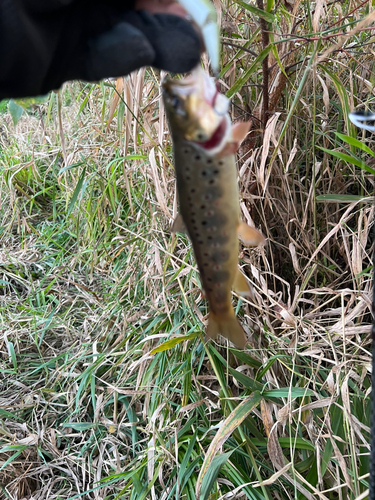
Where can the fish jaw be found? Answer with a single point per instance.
(218, 141)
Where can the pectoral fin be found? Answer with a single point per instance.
(240, 285)
(249, 235)
(178, 225)
(239, 132)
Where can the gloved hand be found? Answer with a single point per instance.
(44, 43)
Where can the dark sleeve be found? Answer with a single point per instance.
(44, 43)
(26, 50)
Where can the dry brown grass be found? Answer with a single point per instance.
(92, 282)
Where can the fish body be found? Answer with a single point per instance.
(204, 142)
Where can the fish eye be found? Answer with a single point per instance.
(175, 102)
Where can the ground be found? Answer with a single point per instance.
(108, 388)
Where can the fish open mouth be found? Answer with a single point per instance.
(217, 137)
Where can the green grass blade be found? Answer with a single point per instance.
(243, 79)
(230, 424)
(210, 476)
(355, 142)
(266, 15)
(76, 192)
(350, 159)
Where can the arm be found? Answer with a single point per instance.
(44, 43)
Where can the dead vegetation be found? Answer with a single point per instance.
(107, 388)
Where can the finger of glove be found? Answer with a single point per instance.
(176, 43)
(117, 52)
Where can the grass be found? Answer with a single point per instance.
(107, 387)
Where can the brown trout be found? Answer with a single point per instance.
(204, 143)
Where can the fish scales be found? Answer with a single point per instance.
(204, 143)
(207, 188)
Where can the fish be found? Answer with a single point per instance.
(204, 145)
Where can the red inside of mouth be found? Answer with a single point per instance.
(217, 136)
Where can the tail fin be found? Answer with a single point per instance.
(228, 326)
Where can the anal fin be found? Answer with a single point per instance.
(249, 235)
(227, 326)
(178, 225)
(241, 286)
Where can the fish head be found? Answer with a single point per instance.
(196, 109)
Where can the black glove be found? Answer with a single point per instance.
(44, 43)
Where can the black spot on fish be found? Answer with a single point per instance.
(206, 254)
(192, 221)
(218, 240)
(200, 242)
(220, 276)
(216, 171)
(203, 207)
(209, 182)
(188, 178)
(197, 157)
(213, 193)
(204, 223)
(219, 257)
(216, 220)
(206, 264)
(204, 173)
(221, 163)
(200, 137)
(192, 190)
(209, 161)
(195, 228)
